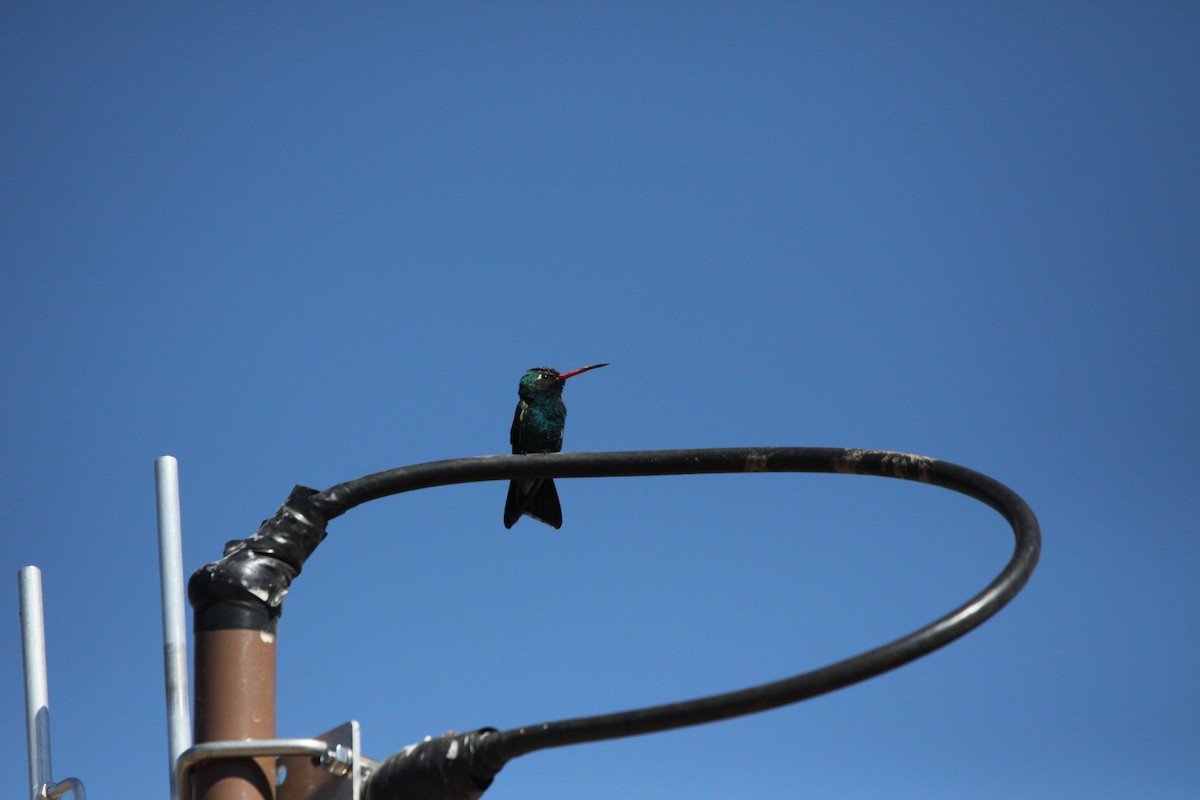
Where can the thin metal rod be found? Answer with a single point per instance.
(37, 690)
(170, 566)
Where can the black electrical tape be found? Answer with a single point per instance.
(245, 589)
(452, 767)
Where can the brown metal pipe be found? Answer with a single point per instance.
(236, 604)
(235, 699)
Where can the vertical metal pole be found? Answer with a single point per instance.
(170, 567)
(37, 691)
(235, 701)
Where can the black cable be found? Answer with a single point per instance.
(491, 749)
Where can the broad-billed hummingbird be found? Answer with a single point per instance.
(538, 428)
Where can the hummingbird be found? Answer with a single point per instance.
(538, 428)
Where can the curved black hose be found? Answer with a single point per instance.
(494, 748)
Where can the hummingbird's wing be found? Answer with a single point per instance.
(514, 507)
(514, 435)
(525, 436)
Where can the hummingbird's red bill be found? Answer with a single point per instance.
(575, 372)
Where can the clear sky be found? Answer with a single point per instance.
(300, 243)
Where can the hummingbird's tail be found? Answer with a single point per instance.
(537, 498)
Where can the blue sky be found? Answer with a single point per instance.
(296, 244)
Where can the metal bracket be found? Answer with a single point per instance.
(326, 768)
(324, 778)
(57, 790)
